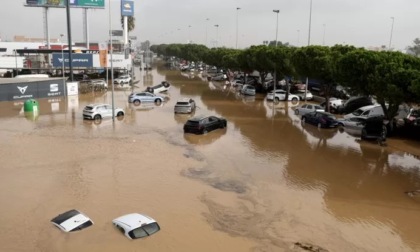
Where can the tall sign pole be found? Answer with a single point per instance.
(69, 40)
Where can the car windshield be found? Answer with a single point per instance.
(144, 231)
(357, 112)
(182, 103)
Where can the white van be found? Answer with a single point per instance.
(366, 111)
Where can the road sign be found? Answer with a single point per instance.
(117, 33)
(95, 4)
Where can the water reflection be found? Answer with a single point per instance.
(208, 138)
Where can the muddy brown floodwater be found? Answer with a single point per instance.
(266, 183)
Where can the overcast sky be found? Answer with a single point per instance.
(363, 23)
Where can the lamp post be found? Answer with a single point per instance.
(309, 42)
(277, 23)
(112, 68)
(189, 34)
(62, 56)
(275, 70)
(207, 21)
(323, 36)
(298, 37)
(237, 9)
(217, 35)
(392, 30)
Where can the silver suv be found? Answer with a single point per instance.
(185, 106)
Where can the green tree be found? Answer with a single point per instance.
(316, 62)
(415, 48)
(389, 76)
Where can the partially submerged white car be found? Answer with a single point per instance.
(136, 225)
(71, 221)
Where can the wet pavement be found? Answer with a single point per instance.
(266, 183)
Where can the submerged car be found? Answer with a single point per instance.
(204, 124)
(138, 98)
(71, 221)
(162, 87)
(136, 225)
(248, 90)
(186, 105)
(124, 79)
(320, 119)
(375, 128)
(301, 94)
(99, 111)
(280, 95)
(307, 108)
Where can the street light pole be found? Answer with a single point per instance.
(112, 68)
(237, 9)
(392, 30)
(217, 35)
(207, 21)
(298, 37)
(309, 42)
(62, 56)
(277, 23)
(189, 34)
(275, 70)
(323, 36)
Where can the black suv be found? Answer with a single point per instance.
(204, 124)
(354, 103)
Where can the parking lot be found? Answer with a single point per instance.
(264, 183)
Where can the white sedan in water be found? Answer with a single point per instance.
(99, 111)
(136, 225)
(280, 95)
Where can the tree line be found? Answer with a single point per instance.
(391, 77)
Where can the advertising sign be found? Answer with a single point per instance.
(97, 4)
(103, 54)
(32, 90)
(127, 8)
(117, 33)
(79, 60)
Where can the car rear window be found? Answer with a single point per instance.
(193, 122)
(88, 108)
(182, 103)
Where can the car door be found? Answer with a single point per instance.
(149, 97)
(211, 123)
(309, 108)
(106, 111)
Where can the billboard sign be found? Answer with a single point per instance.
(79, 60)
(97, 4)
(117, 33)
(127, 8)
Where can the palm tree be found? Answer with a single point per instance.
(131, 23)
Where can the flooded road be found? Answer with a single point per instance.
(263, 184)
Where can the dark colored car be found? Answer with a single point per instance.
(320, 119)
(354, 103)
(204, 124)
(375, 127)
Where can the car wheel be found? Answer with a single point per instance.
(120, 114)
(294, 99)
(297, 112)
(205, 131)
(97, 117)
(158, 101)
(136, 102)
(303, 120)
(319, 125)
(276, 100)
